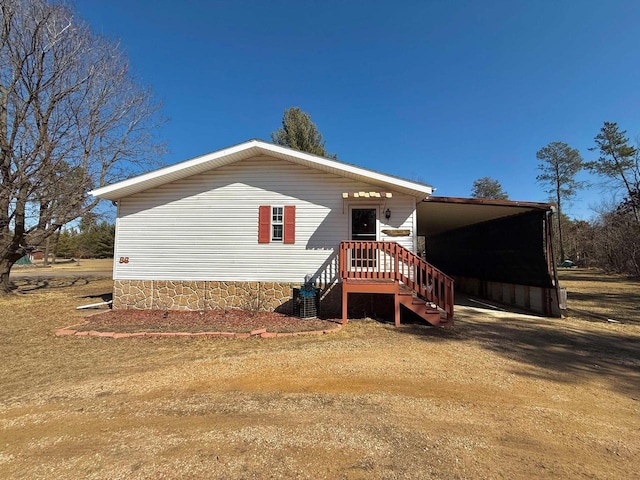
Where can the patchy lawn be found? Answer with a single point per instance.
(500, 395)
(609, 296)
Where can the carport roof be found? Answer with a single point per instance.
(441, 214)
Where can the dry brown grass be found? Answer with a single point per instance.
(497, 396)
(610, 296)
(82, 265)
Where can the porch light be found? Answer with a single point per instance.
(387, 214)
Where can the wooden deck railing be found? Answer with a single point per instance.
(389, 260)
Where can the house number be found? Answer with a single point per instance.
(124, 259)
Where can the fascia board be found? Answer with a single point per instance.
(246, 150)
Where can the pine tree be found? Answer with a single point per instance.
(487, 187)
(300, 133)
(67, 246)
(559, 166)
(619, 162)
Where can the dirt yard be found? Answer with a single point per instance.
(498, 396)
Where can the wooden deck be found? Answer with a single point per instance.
(401, 296)
(388, 268)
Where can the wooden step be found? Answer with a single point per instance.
(420, 308)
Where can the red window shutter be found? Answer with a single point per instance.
(264, 224)
(290, 224)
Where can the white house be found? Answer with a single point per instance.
(241, 227)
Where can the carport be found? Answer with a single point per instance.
(496, 249)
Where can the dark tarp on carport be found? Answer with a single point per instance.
(509, 250)
(491, 240)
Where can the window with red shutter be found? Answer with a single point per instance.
(264, 224)
(277, 224)
(290, 224)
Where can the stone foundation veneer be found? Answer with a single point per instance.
(209, 295)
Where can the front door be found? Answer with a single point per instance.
(364, 228)
(364, 224)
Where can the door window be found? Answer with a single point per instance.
(363, 224)
(364, 229)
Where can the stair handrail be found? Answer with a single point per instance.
(400, 264)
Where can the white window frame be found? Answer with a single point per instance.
(279, 223)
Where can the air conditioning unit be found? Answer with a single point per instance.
(306, 301)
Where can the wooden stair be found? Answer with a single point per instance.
(389, 268)
(410, 300)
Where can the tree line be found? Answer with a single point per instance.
(91, 239)
(612, 239)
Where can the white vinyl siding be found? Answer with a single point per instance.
(205, 227)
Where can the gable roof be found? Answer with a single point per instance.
(250, 149)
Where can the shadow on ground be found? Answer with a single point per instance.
(105, 297)
(626, 304)
(30, 284)
(555, 349)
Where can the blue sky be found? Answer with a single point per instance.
(441, 91)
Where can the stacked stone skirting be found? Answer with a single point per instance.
(210, 295)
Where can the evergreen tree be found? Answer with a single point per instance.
(104, 242)
(67, 246)
(94, 240)
(619, 162)
(559, 165)
(487, 187)
(300, 133)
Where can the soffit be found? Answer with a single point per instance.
(441, 214)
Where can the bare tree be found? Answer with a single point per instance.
(579, 241)
(616, 242)
(71, 119)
